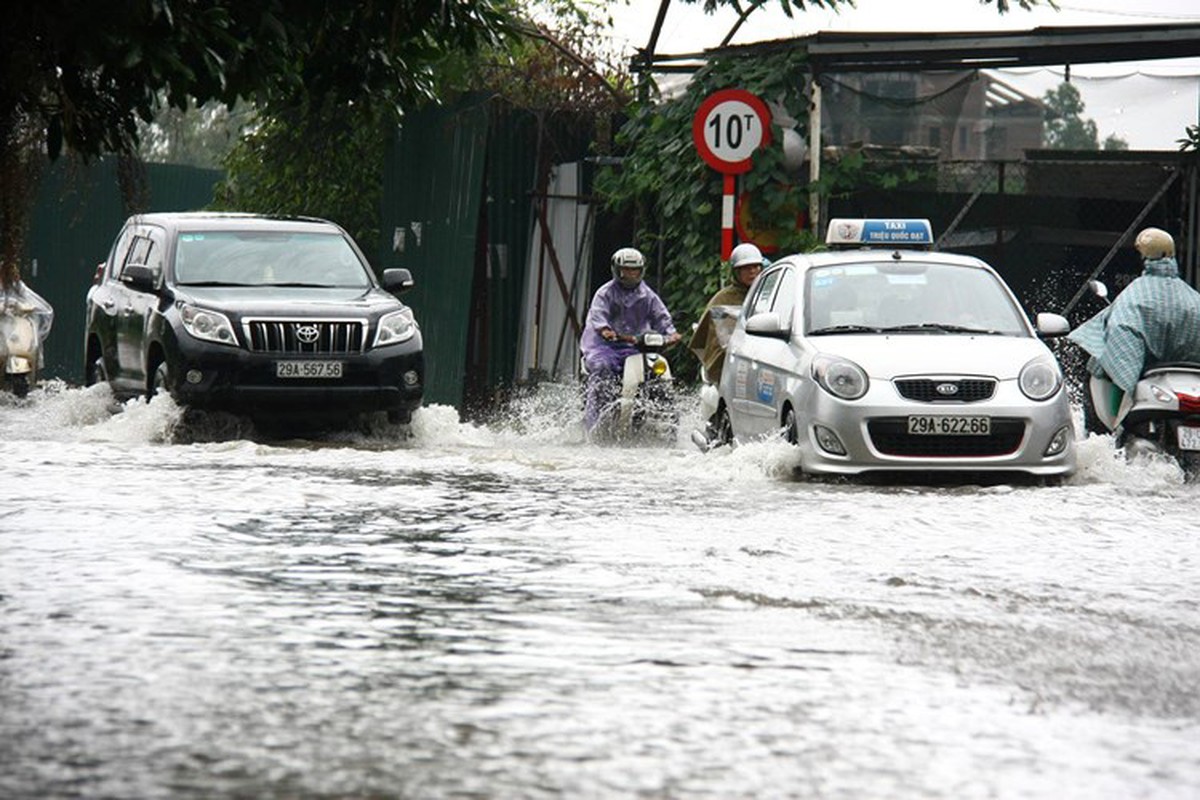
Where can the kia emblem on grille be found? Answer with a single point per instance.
(310, 333)
(947, 389)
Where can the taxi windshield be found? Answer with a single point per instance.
(909, 297)
(267, 258)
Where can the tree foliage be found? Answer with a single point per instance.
(78, 76)
(1066, 127)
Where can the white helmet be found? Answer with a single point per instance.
(745, 255)
(1155, 243)
(628, 258)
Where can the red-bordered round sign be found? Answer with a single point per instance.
(728, 127)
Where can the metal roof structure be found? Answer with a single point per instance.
(1043, 46)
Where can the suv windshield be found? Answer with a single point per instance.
(267, 258)
(912, 298)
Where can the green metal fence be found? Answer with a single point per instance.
(77, 213)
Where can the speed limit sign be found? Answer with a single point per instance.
(728, 127)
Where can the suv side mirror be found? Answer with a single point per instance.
(140, 278)
(397, 280)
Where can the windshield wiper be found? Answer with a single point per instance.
(844, 329)
(215, 283)
(940, 327)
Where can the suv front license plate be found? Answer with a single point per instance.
(308, 369)
(934, 425)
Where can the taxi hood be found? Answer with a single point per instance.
(888, 356)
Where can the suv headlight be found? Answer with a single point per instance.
(840, 377)
(210, 326)
(1040, 379)
(396, 327)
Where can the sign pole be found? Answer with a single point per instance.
(727, 128)
(727, 205)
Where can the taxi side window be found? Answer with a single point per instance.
(766, 292)
(785, 296)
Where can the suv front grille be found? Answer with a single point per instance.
(307, 336)
(925, 390)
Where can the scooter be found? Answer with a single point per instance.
(1161, 416)
(644, 402)
(23, 325)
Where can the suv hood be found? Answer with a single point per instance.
(288, 300)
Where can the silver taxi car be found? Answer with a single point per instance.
(882, 355)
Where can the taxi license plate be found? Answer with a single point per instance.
(308, 369)
(1188, 438)
(935, 425)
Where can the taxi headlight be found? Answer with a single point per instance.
(210, 326)
(1040, 379)
(840, 377)
(396, 327)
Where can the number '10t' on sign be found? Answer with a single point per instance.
(728, 127)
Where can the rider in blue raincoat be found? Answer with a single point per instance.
(624, 306)
(1155, 320)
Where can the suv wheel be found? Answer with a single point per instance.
(160, 380)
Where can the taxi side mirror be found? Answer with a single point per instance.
(768, 323)
(1050, 325)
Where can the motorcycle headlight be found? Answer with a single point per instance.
(210, 326)
(840, 377)
(396, 327)
(1040, 379)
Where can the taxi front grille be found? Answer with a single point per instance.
(953, 390)
(891, 437)
(306, 336)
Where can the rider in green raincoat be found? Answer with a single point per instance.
(1155, 320)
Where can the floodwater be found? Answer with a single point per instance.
(506, 612)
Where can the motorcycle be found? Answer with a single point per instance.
(25, 320)
(1161, 416)
(643, 402)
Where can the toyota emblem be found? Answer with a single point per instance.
(947, 389)
(308, 333)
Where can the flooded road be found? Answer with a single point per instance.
(504, 611)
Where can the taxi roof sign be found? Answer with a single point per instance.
(864, 232)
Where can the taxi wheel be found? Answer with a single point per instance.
(724, 428)
(790, 431)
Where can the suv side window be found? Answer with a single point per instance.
(120, 254)
(146, 250)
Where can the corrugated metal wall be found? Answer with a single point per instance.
(76, 216)
(433, 185)
(458, 203)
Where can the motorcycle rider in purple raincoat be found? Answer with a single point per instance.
(622, 308)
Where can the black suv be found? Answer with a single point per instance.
(256, 315)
